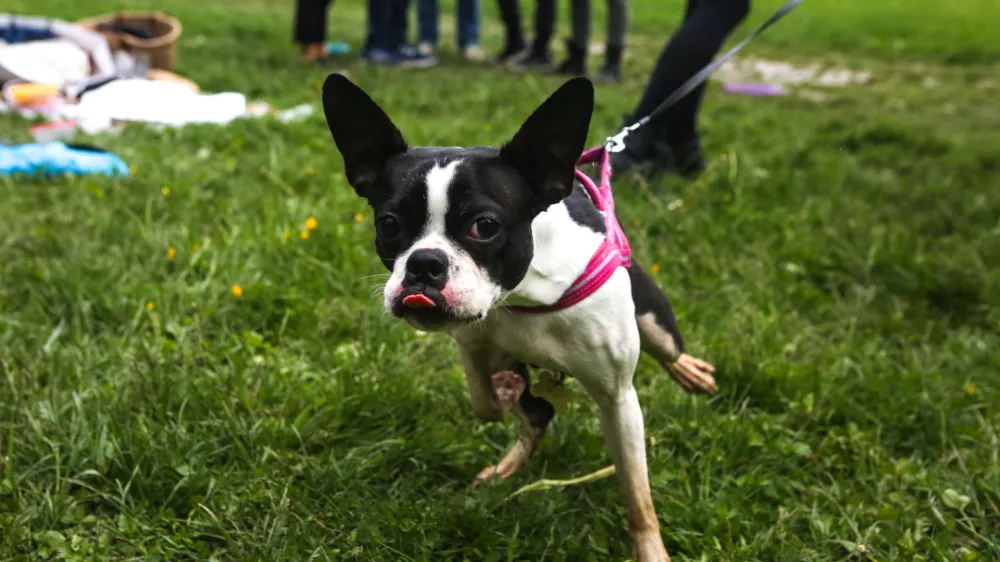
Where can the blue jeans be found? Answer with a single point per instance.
(386, 25)
(468, 22)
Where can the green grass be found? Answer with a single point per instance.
(839, 263)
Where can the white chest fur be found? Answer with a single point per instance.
(596, 341)
(562, 250)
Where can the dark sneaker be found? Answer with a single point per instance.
(663, 161)
(383, 57)
(412, 57)
(612, 69)
(576, 61)
(637, 159)
(689, 160)
(510, 55)
(535, 62)
(571, 67)
(608, 75)
(652, 158)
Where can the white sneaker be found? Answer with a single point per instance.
(474, 54)
(426, 49)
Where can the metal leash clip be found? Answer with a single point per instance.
(617, 142)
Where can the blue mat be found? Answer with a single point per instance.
(57, 158)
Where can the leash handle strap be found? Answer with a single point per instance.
(617, 142)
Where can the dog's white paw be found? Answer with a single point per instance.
(489, 473)
(693, 374)
(508, 464)
(514, 458)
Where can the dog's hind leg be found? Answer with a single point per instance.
(535, 414)
(662, 339)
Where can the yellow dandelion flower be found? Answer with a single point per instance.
(311, 223)
(969, 389)
(285, 234)
(309, 171)
(638, 222)
(165, 191)
(150, 305)
(237, 291)
(656, 268)
(131, 169)
(195, 247)
(304, 234)
(359, 217)
(171, 252)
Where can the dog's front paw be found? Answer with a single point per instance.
(508, 464)
(489, 473)
(693, 374)
(514, 458)
(509, 386)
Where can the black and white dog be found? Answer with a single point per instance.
(469, 233)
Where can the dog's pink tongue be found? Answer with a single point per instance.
(418, 301)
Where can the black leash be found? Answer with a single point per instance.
(617, 142)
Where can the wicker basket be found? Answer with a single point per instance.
(161, 50)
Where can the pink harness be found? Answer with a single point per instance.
(613, 253)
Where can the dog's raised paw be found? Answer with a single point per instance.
(693, 374)
(509, 386)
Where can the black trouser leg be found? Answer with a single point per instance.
(545, 23)
(707, 24)
(310, 21)
(510, 13)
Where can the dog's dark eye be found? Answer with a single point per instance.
(387, 227)
(484, 229)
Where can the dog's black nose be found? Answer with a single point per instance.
(427, 267)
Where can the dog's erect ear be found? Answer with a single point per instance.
(549, 143)
(363, 133)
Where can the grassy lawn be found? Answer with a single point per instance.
(839, 263)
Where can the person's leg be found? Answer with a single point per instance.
(468, 16)
(615, 46)
(581, 16)
(387, 30)
(510, 13)
(428, 14)
(406, 55)
(378, 27)
(310, 27)
(706, 26)
(545, 23)
(540, 56)
(692, 47)
(398, 20)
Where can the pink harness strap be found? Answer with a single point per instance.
(613, 253)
